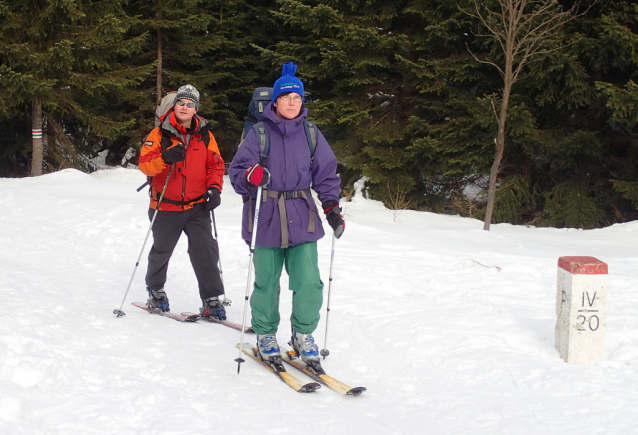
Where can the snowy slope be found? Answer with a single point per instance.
(450, 328)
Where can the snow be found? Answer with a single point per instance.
(450, 328)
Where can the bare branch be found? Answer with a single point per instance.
(486, 61)
(522, 29)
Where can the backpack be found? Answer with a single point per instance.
(261, 98)
(255, 120)
(164, 107)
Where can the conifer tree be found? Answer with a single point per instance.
(449, 128)
(63, 58)
(238, 67)
(178, 37)
(346, 54)
(581, 158)
(619, 28)
(205, 43)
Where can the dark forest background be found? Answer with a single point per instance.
(395, 86)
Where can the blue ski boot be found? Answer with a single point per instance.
(157, 299)
(304, 345)
(268, 347)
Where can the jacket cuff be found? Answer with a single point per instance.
(329, 205)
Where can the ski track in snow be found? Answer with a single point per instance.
(449, 327)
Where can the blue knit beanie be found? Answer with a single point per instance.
(287, 82)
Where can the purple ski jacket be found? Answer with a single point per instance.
(289, 164)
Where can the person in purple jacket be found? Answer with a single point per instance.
(289, 224)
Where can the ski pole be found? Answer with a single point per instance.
(250, 271)
(325, 352)
(225, 301)
(120, 313)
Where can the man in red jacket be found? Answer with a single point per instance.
(184, 148)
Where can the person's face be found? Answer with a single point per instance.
(288, 106)
(183, 113)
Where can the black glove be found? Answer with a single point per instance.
(258, 175)
(174, 154)
(213, 198)
(333, 215)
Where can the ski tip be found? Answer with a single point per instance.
(310, 387)
(355, 391)
(193, 318)
(190, 317)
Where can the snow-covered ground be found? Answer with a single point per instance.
(450, 328)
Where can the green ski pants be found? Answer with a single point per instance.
(302, 266)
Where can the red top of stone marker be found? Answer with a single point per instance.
(583, 265)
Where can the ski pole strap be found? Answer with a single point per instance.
(281, 198)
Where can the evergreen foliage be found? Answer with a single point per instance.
(394, 86)
(236, 25)
(573, 204)
(66, 55)
(205, 43)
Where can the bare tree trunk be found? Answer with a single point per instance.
(158, 83)
(500, 148)
(491, 190)
(37, 158)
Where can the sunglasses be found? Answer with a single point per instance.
(189, 105)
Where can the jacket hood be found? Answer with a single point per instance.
(202, 126)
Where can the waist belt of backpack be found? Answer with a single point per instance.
(281, 198)
(182, 203)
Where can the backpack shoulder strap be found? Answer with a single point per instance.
(166, 140)
(310, 129)
(205, 132)
(311, 135)
(264, 142)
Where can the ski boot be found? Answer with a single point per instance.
(267, 348)
(158, 300)
(305, 347)
(213, 307)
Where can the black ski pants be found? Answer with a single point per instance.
(202, 248)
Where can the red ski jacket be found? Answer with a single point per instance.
(190, 179)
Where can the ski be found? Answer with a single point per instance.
(278, 369)
(178, 317)
(228, 323)
(317, 373)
